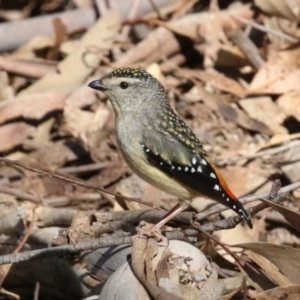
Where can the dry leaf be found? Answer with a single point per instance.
(275, 140)
(14, 134)
(6, 91)
(290, 104)
(75, 68)
(266, 111)
(279, 293)
(218, 81)
(42, 133)
(280, 8)
(61, 152)
(251, 179)
(291, 216)
(236, 115)
(49, 92)
(33, 106)
(163, 42)
(285, 258)
(270, 269)
(279, 75)
(291, 164)
(77, 122)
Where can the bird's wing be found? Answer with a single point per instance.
(190, 166)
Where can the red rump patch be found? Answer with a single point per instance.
(224, 184)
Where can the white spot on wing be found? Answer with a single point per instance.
(194, 160)
(172, 167)
(216, 187)
(212, 175)
(161, 163)
(179, 169)
(227, 199)
(203, 161)
(199, 169)
(234, 207)
(223, 195)
(193, 170)
(186, 169)
(147, 150)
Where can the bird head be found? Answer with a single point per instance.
(130, 89)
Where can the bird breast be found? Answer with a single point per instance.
(129, 134)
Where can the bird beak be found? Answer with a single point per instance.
(97, 85)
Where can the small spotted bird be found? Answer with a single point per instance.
(158, 146)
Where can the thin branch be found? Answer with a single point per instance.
(247, 46)
(20, 194)
(102, 242)
(184, 217)
(88, 168)
(224, 246)
(27, 234)
(76, 182)
(271, 151)
(264, 28)
(244, 200)
(156, 9)
(109, 241)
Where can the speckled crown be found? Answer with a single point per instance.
(131, 73)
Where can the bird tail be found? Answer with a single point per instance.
(243, 213)
(232, 201)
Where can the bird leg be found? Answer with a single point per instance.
(177, 209)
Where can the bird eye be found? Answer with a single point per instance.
(123, 85)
